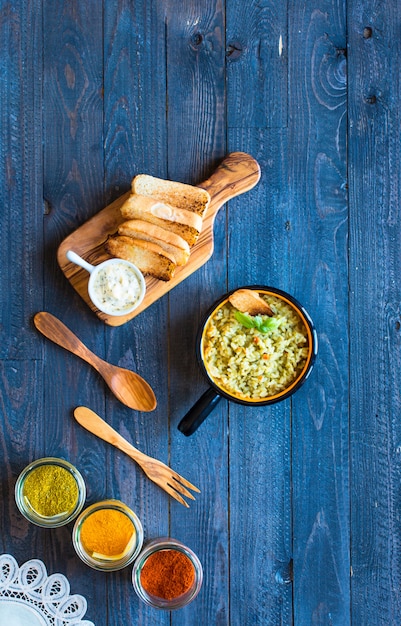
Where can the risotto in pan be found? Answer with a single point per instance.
(248, 363)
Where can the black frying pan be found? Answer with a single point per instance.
(207, 402)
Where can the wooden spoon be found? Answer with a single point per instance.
(127, 386)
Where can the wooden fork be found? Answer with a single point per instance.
(157, 471)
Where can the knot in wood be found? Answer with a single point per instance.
(196, 40)
(46, 207)
(284, 574)
(367, 32)
(371, 99)
(234, 50)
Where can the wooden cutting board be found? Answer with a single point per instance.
(239, 172)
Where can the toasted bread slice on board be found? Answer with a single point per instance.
(169, 241)
(180, 195)
(147, 256)
(180, 221)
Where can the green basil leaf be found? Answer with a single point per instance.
(258, 319)
(263, 323)
(270, 324)
(244, 319)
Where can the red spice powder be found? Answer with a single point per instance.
(167, 574)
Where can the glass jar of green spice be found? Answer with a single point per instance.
(50, 492)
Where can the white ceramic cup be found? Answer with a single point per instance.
(94, 271)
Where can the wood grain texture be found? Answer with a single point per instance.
(195, 61)
(375, 297)
(135, 132)
(319, 276)
(135, 93)
(197, 145)
(21, 174)
(73, 187)
(257, 64)
(260, 439)
(71, 75)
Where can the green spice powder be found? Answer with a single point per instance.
(50, 490)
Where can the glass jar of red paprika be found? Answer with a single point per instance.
(167, 574)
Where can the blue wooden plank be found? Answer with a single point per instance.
(135, 142)
(319, 278)
(21, 175)
(73, 149)
(195, 60)
(20, 437)
(73, 189)
(21, 243)
(260, 438)
(135, 93)
(375, 348)
(257, 73)
(196, 144)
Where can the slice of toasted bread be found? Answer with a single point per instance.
(169, 241)
(180, 221)
(249, 301)
(180, 195)
(147, 256)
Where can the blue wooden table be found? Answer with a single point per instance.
(298, 520)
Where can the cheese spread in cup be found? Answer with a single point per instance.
(116, 286)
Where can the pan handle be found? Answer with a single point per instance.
(199, 412)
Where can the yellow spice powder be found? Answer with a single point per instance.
(50, 490)
(107, 532)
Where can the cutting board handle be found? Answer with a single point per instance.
(237, 173)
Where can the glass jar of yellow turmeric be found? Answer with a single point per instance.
(107, 535)
(50, 492)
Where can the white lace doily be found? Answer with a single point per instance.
(29, 597)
